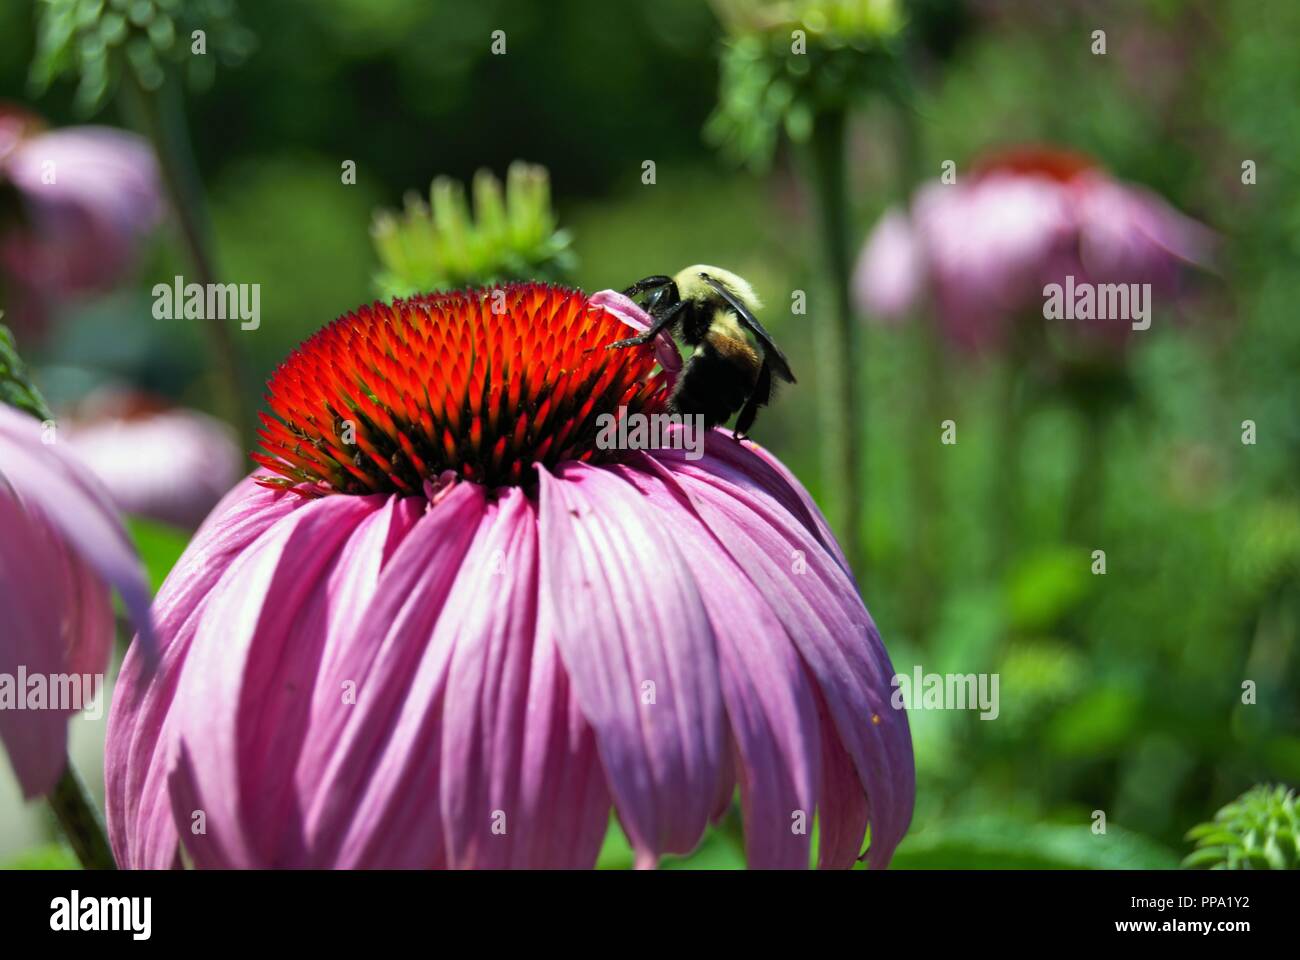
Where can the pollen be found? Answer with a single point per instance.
(486, 383)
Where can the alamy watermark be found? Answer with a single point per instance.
(1098, 301)
(946, 691)
(75, 913)
(209, 301)
(52, 691)
(656, 431)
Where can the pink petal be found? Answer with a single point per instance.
(745, 466)
(619, 631)
(86, 224)
(891, 270)
(636, 318)
(48, 478)
(47, 595)
(483, 707)
(563, 800)
(173, 466)
(140, 724)
(770, 702)
(1128, 234)
(374, 802)
(246, 685)
(842, 815)
(831, 628)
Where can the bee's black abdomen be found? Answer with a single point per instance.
(710, 386)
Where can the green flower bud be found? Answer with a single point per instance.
(1260, 830)
(510, 235)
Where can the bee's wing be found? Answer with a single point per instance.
(775, 357)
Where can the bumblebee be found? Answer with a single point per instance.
(710, 309)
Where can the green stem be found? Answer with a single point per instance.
(79, 818)
(1089, 479)
(160, 116)
(1007, 457)
(843, 420)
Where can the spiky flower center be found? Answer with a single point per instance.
(486, 383)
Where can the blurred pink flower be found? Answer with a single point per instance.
(165, 463)
(81, 199)
(376, 662)
(981, 250)
(61, 549)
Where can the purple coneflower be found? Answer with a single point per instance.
(447, 629)
(166, 463)
(982, 249)
(61, 547)
(80, 201)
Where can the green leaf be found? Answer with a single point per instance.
(16, 387)
(100, 44)
(53, 856)
(1001, 844)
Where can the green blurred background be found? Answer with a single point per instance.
(1119, 693)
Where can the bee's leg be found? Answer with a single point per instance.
(761, 394)
(660, 322)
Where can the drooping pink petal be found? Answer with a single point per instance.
(636, 318)
(986, 243)
(1128, 234)
(639, 651)
(137, 751)
(49, 479)
(821, 612)
(741, 466)
(50, 602)
(563, 802)
(432, 674)
(62, 548)
(248, 679)
(770, 702)
(283, 744)
(842, 813)
(484, 705)
(376, 803)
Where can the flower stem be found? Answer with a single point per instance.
(79, 818)
(1007, 477)
(843, 420)
(1088, 487)
(160, 116)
